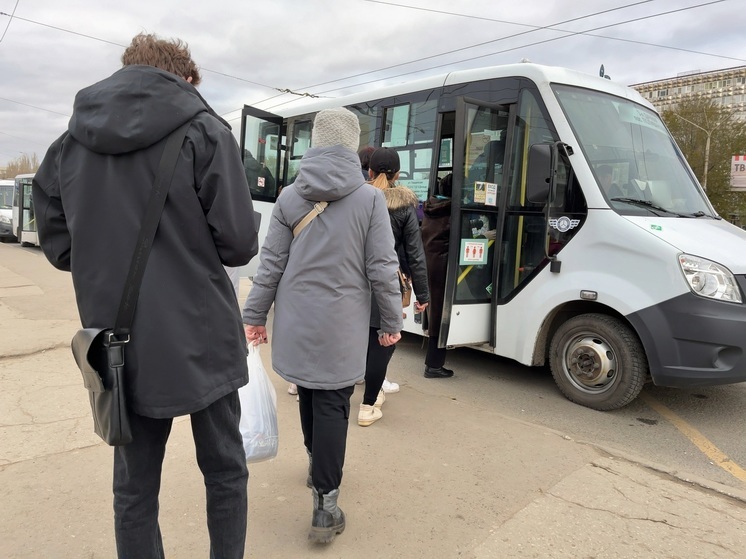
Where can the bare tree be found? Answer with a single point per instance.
(22, 164)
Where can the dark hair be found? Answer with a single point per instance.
(170, 55)
(364, 155)
(445, 187)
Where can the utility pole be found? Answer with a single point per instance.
(707, 147)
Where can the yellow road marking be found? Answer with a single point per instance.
(700, 441)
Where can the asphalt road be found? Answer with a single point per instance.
(493, 463)
(664, 425)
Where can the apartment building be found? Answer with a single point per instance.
(725, 87)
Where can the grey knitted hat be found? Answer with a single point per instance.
(333, 127)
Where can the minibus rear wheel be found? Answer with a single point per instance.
(598, 361)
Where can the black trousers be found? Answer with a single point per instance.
(221, 458)
(324, 417)
(376, 364)
(436, 356)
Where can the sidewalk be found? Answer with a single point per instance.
(438, 477)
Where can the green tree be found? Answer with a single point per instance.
(22, 164)
(690, 123)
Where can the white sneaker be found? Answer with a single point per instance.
(389, 387)
(380, 399)
(368, 415)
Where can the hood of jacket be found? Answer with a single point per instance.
(398, 197)
(328, 174)
(437, 207)
(132, 109)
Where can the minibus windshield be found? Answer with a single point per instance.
(637, 165)
(6, 197)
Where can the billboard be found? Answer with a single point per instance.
(738, 173)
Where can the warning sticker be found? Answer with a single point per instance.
(473, 252)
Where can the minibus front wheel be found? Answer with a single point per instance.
(597, 361)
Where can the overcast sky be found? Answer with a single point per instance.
(249, 49)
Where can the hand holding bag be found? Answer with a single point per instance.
(258, 423)
(99, 352)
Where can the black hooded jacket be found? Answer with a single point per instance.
(401, 203)
(188, 348)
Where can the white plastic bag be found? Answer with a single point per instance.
(258, 411)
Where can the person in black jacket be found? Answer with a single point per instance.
(401, 203)
(436, 231)
(364, 155)
(187, 353)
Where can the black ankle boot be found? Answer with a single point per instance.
(440, 372)
(328, 519)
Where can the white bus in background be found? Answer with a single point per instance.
(24, 221)
(6, 210)
(579, 234)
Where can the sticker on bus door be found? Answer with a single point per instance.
(473, 252)
(485, 193)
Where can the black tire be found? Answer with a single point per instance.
(597, 361)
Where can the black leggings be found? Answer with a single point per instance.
(375, 367)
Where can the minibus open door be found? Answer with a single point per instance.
(262, 142)
(478, 208)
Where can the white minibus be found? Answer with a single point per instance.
(579, 236)
(24, 221)
(6, 210)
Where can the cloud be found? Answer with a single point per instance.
(299, 45)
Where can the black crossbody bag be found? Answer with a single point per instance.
(99, 352)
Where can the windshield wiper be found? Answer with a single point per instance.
(700, 213)
(650, 206)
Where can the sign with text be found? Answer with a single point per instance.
(418, 186)
(738, 173)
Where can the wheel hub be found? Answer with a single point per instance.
(591, 362)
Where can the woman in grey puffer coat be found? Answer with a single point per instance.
(321, 283)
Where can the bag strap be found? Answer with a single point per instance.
(158, 194)
(318, 208)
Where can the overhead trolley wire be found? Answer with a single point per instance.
(9, 21)
(125, 46)
(537, 28)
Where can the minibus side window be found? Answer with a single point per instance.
(259, 156)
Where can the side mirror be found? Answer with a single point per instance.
(539, 176)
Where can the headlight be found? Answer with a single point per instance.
(4, 219)
(709, 279)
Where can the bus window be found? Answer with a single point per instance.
(410, 129)
(527, 240)
(261, 142)
(367, 116)
(646, 165)
(300, 143)
(395, 128)
(6, 210)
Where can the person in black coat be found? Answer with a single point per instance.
(436, 230)
(401, 203)
(364, 155)
(187, 353)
